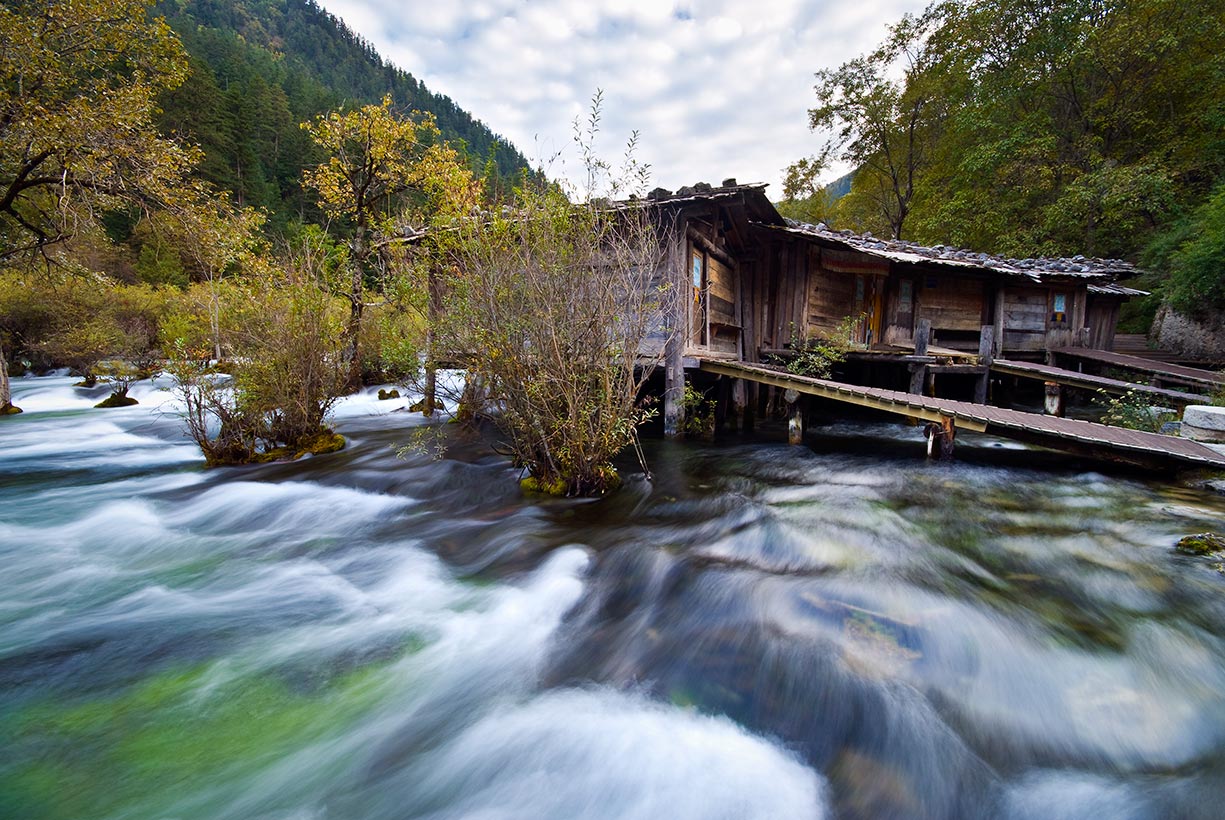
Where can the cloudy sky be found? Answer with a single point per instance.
(716, 88)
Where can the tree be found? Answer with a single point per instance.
(76, 104)
(1197, 265)
(77, 86)
(377, 164)
(1082, 127)
(884, 125)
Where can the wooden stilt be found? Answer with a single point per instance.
(986, 354)
(674, 390)
(922, 336)
(739, 404)
(722, 403)
(948, 436)
(795, 417)
(941, 437)
(1053, 405)
(750, 407)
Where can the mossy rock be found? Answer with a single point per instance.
(325, 441)
(607, 480)
(535, 486)
(116, 400)
(10, 410)
(1204, 543)
(384, 395)
(419, 406)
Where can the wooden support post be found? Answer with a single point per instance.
(948, 437)
(941, 437)
(986, 355)
(676, 321)
(674, 389)
(986, 345)
(750, 407)
(1053, 405)
(980, 386)
(739, 404)
(922, 336)
(722, 402)
(795, 422)
(918, 377)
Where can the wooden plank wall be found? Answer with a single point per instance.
(1102, 317)
(671, 313)
(1025, 318)
(954, 303)
(721, 299)
(831, 298)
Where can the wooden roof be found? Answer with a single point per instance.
(1036, 270)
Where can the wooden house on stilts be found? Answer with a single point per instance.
(753, 285)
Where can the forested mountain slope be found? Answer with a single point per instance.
(262, 67)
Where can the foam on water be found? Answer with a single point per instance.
(604, 754)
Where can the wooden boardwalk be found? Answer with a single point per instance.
(1079, 437)
(1088, 381)
(1161, 371)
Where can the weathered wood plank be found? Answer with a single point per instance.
(1148, 449)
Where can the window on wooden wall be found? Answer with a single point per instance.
(1059, 308)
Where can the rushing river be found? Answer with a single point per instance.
(761, 631)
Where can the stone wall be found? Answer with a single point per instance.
(1193, 338)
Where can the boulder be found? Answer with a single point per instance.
(1202, 422)
(1204, 543)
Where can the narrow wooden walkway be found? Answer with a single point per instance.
(1162, 371)
(1080, 437)
(1088, 381)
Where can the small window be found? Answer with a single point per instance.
(932, 282)
(1059, 310)
(905, 293)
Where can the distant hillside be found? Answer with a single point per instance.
(261, 67)
(839, 188)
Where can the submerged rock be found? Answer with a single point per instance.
(384, 395)
(10, 410)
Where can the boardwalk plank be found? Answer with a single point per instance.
(1112, 442)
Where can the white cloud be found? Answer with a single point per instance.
(716, 88)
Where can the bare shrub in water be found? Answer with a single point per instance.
(286, 335)
(545, 304)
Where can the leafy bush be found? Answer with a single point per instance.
(1133, 410)
(285, 333)
(816, 357)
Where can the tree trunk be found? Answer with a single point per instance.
(353, 333)
(6, 394)
(357, 288)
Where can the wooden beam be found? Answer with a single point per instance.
(841, 393)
